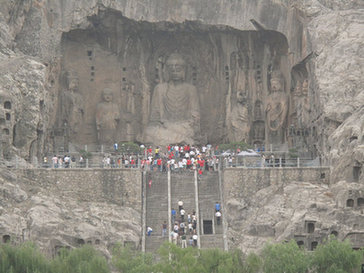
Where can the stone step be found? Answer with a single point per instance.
(212, 241)
(153, 242)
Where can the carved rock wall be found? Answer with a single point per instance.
(129, 58)
(36, 27)
(32, 39)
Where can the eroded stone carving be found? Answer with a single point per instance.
(258, 132)
(107, 118)
(276, 109)
(175, 114)
(303, 104)
(72, 104)
(137, 71)
(239, 119)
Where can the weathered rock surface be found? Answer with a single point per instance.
(55, 221)
(282, 213)
(30, 37)
(347, 148)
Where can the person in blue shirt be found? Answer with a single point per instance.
(217, 207)
(173, 215)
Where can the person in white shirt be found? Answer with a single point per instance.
(182, 212)
(218, 217)
(204, 148)
(180, 205)
(194, 237)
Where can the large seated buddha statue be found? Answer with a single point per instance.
(175, 108)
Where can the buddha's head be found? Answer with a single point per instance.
(276, 82)
(240, 96)
(107, 95)
(176, 67)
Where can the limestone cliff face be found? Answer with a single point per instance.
(32, 31)
(30, 68)
(34, 210)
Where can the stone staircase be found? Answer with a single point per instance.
(209, 194)
(156, 208)
(182, 188)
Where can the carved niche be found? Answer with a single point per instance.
(219, 64)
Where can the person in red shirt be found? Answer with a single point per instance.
(159, 163)
(199, 174)
(189, 162)
(201, 162)
(169, 148)
(185, 148)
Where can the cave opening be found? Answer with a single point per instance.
(310, 227)
(350, 203)
(6, 239)
(300, 244)
(80, 241)
(356, 173)
(7, 105)
(314, 245)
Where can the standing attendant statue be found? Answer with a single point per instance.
(72, 106)
(175, 108)
(239, 120)
(276, 110)
(107, 118)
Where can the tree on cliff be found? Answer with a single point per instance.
(336, 257)
(285, 258)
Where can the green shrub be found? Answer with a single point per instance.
(126, 260)
(80, 260)
(284, 258)
(233, 146)
(130, 148)
(22, 259)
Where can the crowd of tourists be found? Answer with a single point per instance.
(176, 158)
